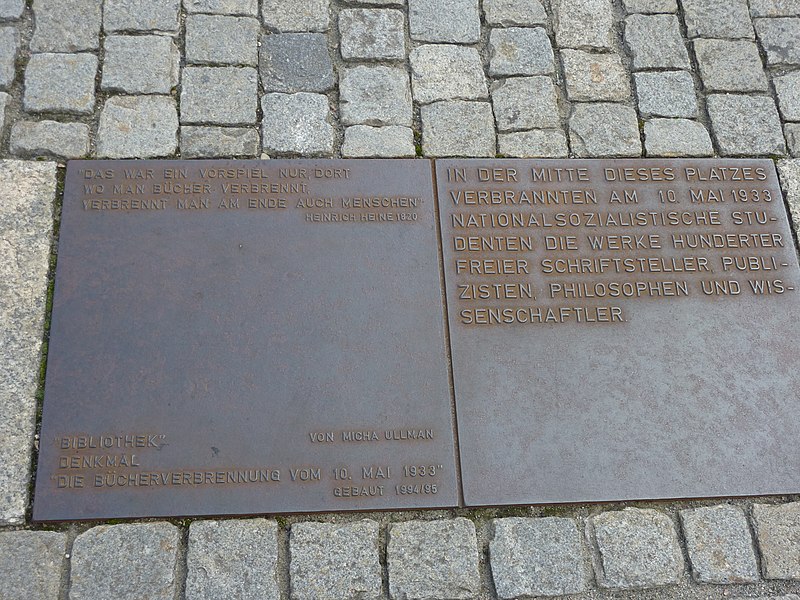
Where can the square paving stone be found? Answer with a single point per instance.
(583, 23)
(142, 64)
(451, 21)
(789, 171)
(31, 139)
(222, 7)
(125, 562)
(537, 143)
(666, 94)
(296, 62)
(525, 103)
(521, 13)
(363, 141)
(9, 41)
(137, 127)
(219, 95)
(60, 83)
(676, 137)
(728, 19)
(369, 33)
(445, 72)
(778, 527)
(638, 549)
(4, 98)
(604, 130)
(774, 8)
(788, 89)
(66, 26)
(458, 128)
(296, 15)
(746, 125)
(720, 545)
(375, 96)
(520, 51)
(592, 77)
(650, 7)
(141, 15)
(232, 559)
(27, 189)
(780, 40)
(31, 563)
(213, 142)
(332, 561)
(433, 559)
(655, 42)
(792, 131)
(11, 9)
(730, 66)
(297, 124)
(538, 557)
(235, 40)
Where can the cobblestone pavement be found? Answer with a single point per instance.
(395, 78)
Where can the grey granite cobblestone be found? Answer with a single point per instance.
(446, 72)
(9, 42)
(768, 524)
(595, 77)
(525, 103)
(792, 131)
(219, 95)
(372, 34)
(234, 40)
(536, 143)
(448, 21)
(778, 527)
(520, 51)
(140, 15)
(458, 128)
(222, 7)
(31, 564)
(746, 125)
(296, 124)
(674, 138)
(232, 559)
(787, 87)
(363, 141)
(66, 26)
(11, 9)
(137, 127)
(28, 191)
(604, 129)
(728, 19)
(296, 62)
(583, 23)
(538, 557)
(60, 83)
(142, 64)
(375, 95)
(433, 559)
(4, 98)
(655, 42)
(49, 138)
(207, 142)
(720, 545)
(638, 548)
(650, 7)
(521, 13)
(780, 40)
(730, 66)
(296, 15)
(335, 561)
(125, 562)
(774, 8)
(666, 94)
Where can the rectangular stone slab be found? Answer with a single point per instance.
(235, 337)
(589, 366)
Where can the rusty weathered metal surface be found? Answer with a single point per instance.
(648, 368)
(282, 354)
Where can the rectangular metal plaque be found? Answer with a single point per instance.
(621, 329)
(235, 337)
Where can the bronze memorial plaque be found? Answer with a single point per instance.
(238, 337)
(621, 329)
